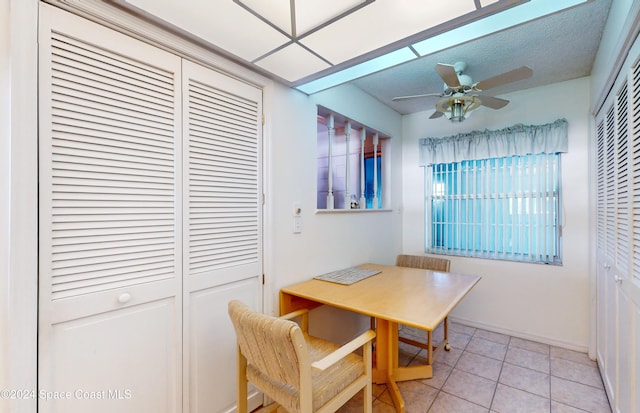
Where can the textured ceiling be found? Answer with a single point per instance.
(329, 35)
(558, 47)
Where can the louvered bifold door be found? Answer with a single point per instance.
(110, 215)
(222, 228)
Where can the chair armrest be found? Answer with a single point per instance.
(294, 314)
(303, 313)
(348, 348)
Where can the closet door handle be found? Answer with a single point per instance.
(124, 298)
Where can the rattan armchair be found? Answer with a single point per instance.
(300, 373)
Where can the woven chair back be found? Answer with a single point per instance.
(268, 343)
(425, 263)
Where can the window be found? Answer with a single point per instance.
(507, 207)
(351, 164)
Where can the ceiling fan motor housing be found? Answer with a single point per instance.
(466, 83)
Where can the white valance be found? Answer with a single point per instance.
(514, 140)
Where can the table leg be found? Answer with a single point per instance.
(392, 362)
(387, 360)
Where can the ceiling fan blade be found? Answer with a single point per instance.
(511, 76)
(493, 102)
(448, 74)
(436, 115)
(400, 98)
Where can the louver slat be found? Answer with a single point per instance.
(112, 170)
(600, 186)
(610, 186)
(223, 179)
(622, 177)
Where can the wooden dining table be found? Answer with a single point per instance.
(394, 296)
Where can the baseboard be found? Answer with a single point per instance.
(540, 339)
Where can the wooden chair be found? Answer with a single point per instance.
(301, 373)
(425, 263)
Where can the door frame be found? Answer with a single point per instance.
(19, 210)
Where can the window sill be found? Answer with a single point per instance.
(351, 211)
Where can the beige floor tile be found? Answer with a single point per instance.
(529, 359)
(530, 345)
(487, 348)
(525, 379)
(563, 408)
(448, 357)
(417, 397)
(458, 340)
(579, 395)
(490, 335)
(510, 400)
(578, 372)
(447, 403)
(479, 365)
(572, 355)
(441, 372)
(470, 387)
(461, 328)
(406, 353)
(492, 373)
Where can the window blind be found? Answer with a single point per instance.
(505, 208)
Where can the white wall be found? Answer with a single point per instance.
(329, 241)
(542, 302)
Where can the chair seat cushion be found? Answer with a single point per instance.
(326, 384)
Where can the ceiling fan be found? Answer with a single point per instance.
(461, 96)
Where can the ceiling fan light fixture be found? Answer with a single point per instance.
(458, 111)
(458, 108)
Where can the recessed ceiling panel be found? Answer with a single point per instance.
(377, 25)
(292, 63)
(313, 13)
(278, 12)
(224, 24)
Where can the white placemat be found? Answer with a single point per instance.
(347, 276)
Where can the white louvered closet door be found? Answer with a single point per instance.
(617, 150)
(110, 316)
(222, 231)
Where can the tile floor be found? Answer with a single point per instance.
(490, 372)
